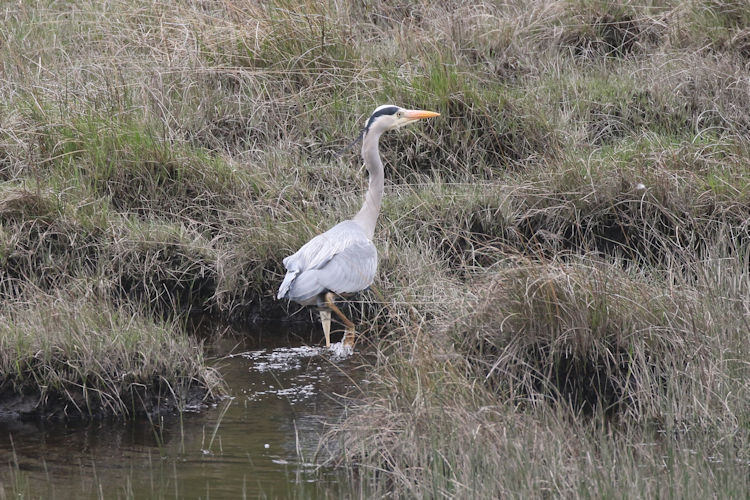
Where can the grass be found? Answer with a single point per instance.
(562, 302)
(69, 357)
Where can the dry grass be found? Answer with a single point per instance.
(562, 306)
(571, 377)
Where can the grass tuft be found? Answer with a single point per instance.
(68, 357)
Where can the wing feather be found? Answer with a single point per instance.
(351, 270)
(343, 260)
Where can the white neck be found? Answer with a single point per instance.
(368, 214)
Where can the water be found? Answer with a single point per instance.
(260, 443)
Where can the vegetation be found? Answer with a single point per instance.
(69, 357)
(563, 303)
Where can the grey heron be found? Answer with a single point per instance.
(343, 260)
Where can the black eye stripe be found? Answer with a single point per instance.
(385, 111)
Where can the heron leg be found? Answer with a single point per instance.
(325, 319)
(349, 335)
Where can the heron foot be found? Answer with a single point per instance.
(350, 337)
(349, 332)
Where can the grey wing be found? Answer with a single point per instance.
(342, 260)
(350, 270)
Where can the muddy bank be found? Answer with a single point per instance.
(73, 405)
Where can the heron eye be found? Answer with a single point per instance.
(400, 114)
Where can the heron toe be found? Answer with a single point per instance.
(349, 337)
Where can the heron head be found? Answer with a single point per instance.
(389, 117)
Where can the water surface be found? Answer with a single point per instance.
(259, 443)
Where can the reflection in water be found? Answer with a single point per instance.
(259, 443)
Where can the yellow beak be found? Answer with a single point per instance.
(416, 114)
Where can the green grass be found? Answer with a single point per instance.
(562, 301)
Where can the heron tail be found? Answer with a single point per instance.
(284, 288)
